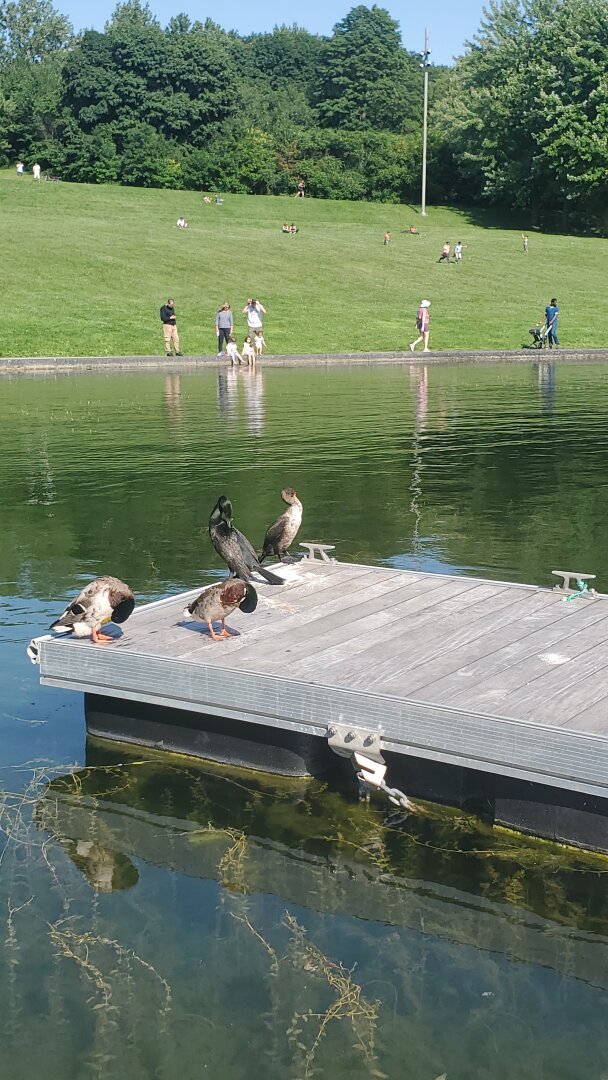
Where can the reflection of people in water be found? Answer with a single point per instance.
(227, 392)
(173, 397)
(420, 376)
(546, 374)
(254, 400)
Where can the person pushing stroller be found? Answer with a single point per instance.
(545, 334)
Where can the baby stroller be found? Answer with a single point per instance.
(540, 337)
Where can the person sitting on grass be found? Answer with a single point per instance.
(285, 227)
(293, 229)
(258, 342)
(445, 252)
(181, 223)
(248, 350)
(413, 231)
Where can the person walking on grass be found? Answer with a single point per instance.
(524, 240)
(387, 238)
(423, 319)
(169, 321)
(458, 252)
(36, 171)
(551, 314)
(223, 327)
(19, 167)
(445, 252)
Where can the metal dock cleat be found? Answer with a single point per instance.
(364, 750)
(580, 582)
(322, 549)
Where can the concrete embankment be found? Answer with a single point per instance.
(61, 365)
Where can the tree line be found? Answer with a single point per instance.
(520, 120)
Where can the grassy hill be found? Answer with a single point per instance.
(87, 269)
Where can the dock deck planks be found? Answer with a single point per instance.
(495, 676)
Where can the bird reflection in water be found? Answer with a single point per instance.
(106, 870)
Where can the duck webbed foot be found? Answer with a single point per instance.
(98, 638)
(222, 634)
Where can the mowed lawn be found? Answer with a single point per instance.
(87, 268)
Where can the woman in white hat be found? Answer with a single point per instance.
(423, 319)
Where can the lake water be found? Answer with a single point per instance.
(161, 918)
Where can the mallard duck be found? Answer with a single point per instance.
(218, 602)
(107, 599)
(281, 535)
(236, 550)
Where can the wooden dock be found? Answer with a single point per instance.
(501, 678)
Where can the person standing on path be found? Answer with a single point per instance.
(169, 321)
(36, 171)
(423, 319)
(223, 327)
(551, 314)
(254, 311)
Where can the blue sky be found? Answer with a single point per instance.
(450, 22)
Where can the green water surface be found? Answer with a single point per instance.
(162, 918)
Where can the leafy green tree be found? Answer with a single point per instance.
(366, 80)
(7, 113)
(288, 54)
(91, 159)
(131, 14)
(148, 160)
(30, 30)
(525, 116)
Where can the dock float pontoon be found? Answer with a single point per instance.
(483, 694)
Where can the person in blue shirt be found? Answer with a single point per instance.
(551, 313)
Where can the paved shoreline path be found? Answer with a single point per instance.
(67, 364)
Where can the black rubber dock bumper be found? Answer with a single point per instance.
(539, 810)
(212, 738)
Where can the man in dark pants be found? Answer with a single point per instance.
(169, 321)
(551, 313)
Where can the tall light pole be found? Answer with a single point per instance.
(425, 65)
